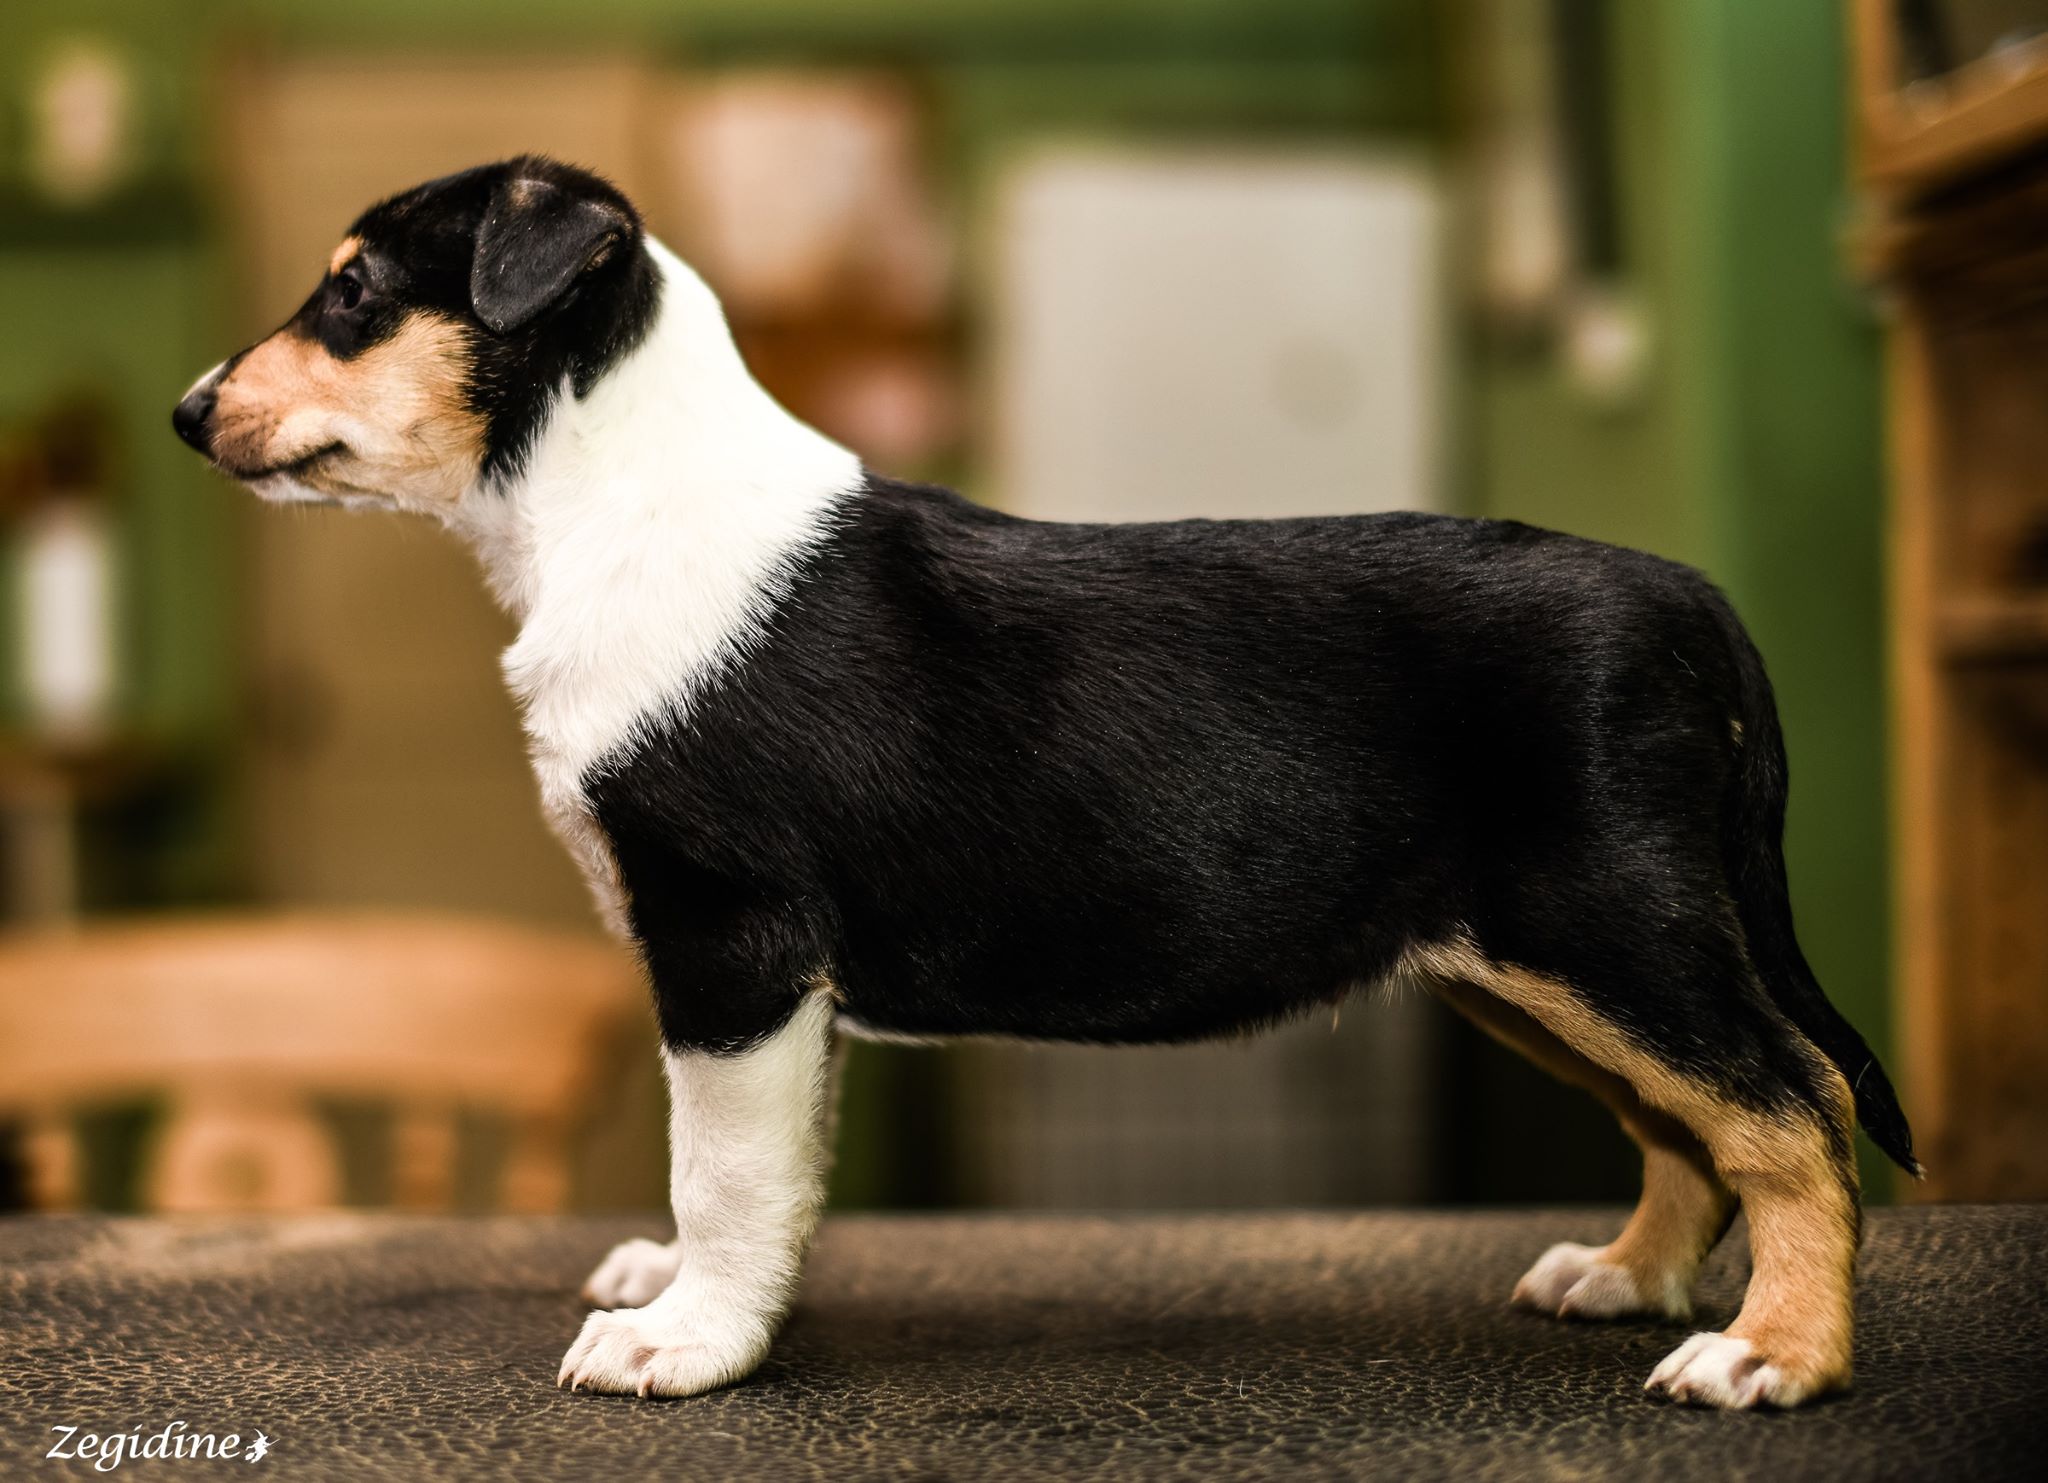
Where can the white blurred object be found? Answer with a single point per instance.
(798, 188)
(67, 590)
(1525, 261)
(81, 123)
(1217, 335)
(1525, 254)
(1606, 344)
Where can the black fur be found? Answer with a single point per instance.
(1753, 837)
(534, 241)
(1155, 782)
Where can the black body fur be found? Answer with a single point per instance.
(1155, 782)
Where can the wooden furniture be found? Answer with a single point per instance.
(1958, 166)
(1000, 1347)
(240, 1025)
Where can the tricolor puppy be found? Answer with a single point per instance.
(842, 752)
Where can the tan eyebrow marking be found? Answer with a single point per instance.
(344, 254)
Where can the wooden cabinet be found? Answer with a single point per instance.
(1956, 159)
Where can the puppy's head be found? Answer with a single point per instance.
(448, 321)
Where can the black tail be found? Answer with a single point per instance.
(1753, 840)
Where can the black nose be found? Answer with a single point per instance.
(193, 418)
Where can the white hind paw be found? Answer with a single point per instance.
(1722, 1370)
(1574, 1281)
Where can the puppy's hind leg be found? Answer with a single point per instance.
(1775, 1118)
(1793, 1171)
(1649, 1269)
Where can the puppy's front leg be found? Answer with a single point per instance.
(747, 1177)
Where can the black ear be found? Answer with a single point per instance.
(534, 240)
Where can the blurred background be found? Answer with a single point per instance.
(1644, 273)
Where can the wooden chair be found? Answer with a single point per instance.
(240, 1025)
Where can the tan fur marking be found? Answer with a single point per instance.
(1683, 1211)
(399, 411)
(1798, 1312)
(1684, 1207)
(1800, 1198)
(344, 254)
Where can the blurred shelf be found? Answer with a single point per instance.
(1959, 164)
(1990, 244)
(1981, 629)
(1965, 122)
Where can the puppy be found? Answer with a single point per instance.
(836, 750)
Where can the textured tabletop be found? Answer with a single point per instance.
(979, 1347)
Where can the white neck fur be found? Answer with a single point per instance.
(643, 547)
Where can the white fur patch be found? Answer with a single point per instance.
(1722, 1370)
(644, 547)
(747, 1179)
(1574, 1281)
(633, 1273)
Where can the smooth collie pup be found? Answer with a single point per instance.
(837, 751)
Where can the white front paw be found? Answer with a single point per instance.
(658, 1350)
(1722, 1370)
(634, 1274)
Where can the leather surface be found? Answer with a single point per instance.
(996, 1346)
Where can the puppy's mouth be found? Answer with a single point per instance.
(295, 468)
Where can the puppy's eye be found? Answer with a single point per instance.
(348, 291)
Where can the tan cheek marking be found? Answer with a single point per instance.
(344, 254)
(401, 408)
(1800, 1198)
(410, 394)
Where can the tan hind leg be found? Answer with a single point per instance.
(1789, 1165)
(1792, 1339)
(1650, 1267)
